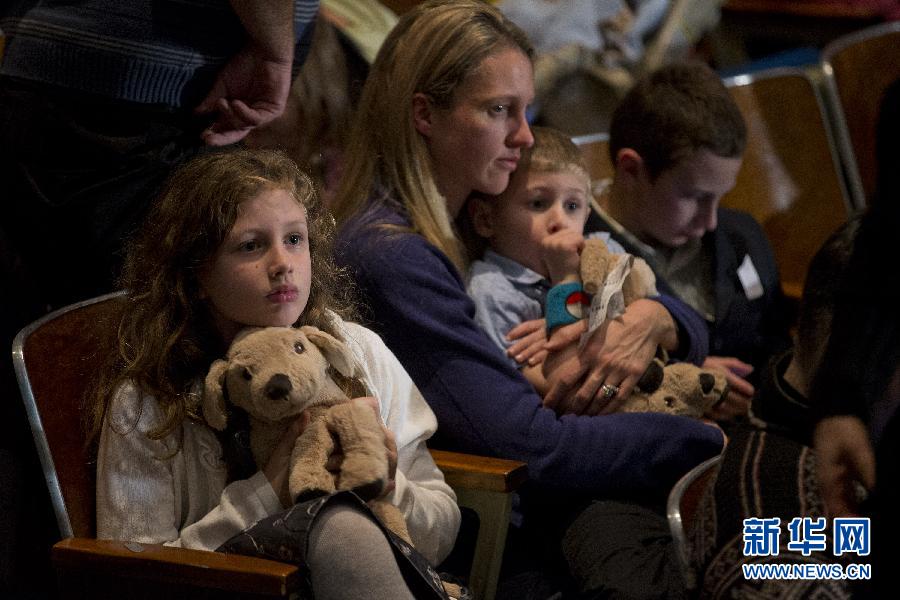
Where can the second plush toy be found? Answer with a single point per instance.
(617, 280)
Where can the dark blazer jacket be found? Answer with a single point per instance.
(751, 330)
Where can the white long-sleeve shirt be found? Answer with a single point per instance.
(157, 491)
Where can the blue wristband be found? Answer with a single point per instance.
(564, 305)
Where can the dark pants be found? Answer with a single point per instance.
(76, 174)
(570, 546)
(623, 550)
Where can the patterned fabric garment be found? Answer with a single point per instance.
(762, 475)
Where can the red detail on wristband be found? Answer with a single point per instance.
(577, 298)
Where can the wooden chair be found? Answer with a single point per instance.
(54, 358)
(790, 179)
(595, 150)
(858, 68)
(681, 509)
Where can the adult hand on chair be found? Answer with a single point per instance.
(251, 90)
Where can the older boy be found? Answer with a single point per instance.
(676, 142)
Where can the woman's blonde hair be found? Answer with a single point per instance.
(166, 339)
(431, 50)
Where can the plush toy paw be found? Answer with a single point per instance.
(308, 474)
(361, 435)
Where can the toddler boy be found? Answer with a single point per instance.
(534, 231)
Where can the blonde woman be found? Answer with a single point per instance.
(443, 114)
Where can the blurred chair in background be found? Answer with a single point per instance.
(858, 69)
(791, 179)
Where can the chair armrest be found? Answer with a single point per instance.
(179, 566)
(480, 472)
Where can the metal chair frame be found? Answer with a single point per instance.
(855, 146)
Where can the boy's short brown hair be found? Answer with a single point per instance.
(552, 152)
(674, 111)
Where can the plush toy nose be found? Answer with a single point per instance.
(278, 386)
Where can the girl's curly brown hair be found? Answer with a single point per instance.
(166, 339)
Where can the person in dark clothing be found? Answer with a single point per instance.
(99, 101)
(768, 468)
(857, 390)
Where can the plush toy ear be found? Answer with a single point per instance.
(336, 352)
(652, 378)
(640, 283)
(213, 404)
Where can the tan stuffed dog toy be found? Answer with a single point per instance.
(679, 388)
(274, 374)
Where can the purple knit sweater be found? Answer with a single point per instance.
(418, 304)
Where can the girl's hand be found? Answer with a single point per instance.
(561, 252)
(616, 355)
(278, 467)
(740, 391)
(390, 444)
(529, 339)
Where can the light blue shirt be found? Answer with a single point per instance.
(507, 293)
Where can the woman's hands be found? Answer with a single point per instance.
(616, 354)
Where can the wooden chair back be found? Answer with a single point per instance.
(55, 359)
(790, 180)
(858, 68)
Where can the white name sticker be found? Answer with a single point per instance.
(753, 288)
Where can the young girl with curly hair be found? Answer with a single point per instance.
(237, 239)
